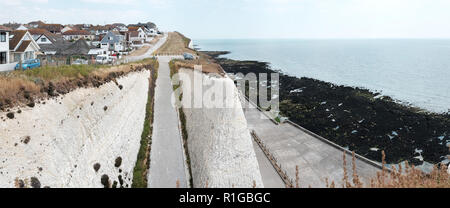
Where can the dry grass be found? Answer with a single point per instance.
(175, 44)
(140, 51)
(23, 87)
(403, 177)
(208, 64)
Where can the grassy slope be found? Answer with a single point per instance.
(143, 163)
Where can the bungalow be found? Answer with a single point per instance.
(142, 36)
(82, 48)
(135, 40)
(114, 42)
(121, 27)
(68, 28)
(35, 24)
(49, 43)
(53, 28)
(22, 27)
(4, 49)
(22, 46)
(73, 35)
(99, 30)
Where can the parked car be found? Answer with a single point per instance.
(188, 56)
(29, 64)
(105, 59)
(80, 62)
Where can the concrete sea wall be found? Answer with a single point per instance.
(219, 142)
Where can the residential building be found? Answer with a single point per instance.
(49, 43)
(73, 35)
(99, 30)
(82, 48)
(114, 42)
(4, 49)
(22, 46)
(68, 28)
(137, 35)
(22, 27)
(35, 24)
(53, 28)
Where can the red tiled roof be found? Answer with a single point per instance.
(77, 32)
(23, 46)
(3, 28)
(38, 31)
(17, 36)
(133, 28)
(134, 34)
(51, 27)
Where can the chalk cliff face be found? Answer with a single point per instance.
(57, 144)
(220, 145)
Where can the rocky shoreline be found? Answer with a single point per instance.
(356, 118)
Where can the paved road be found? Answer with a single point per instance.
(293, 147)
(147, 54)
(167, 159)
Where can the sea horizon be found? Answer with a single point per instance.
(411, 71)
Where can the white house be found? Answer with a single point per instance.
(67, 28)
(152, 32)
(4, 49)
(114, 42)
(99, 30)
(22, 46)
(74, 35)
(138, 34)
(21, 27)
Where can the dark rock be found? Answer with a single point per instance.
(364, 121)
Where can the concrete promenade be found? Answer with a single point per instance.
(167, 159)
(317, 160)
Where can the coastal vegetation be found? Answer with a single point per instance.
(143, 159)
(26, 87)
(176, 43)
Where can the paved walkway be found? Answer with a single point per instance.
(167, 159)
(147, 54)
(269, 175)
(292, 147)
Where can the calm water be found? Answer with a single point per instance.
(411, 71)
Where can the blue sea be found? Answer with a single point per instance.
(412, 71)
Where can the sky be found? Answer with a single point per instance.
(226, 19)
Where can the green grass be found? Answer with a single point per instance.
(58, 72)
(54, 73)
(143, 161)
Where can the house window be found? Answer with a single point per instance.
(2, 37)
(16, 57)
(3, 58)
(44, 39)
